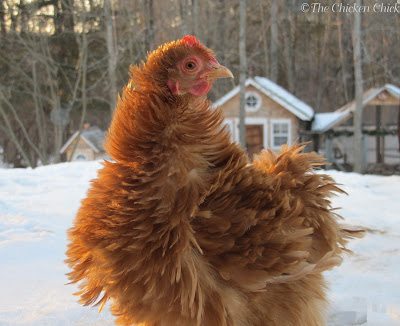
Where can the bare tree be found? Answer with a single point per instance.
(289, 51)
(264, 30)
(2, 19)
(357, 125)
(67, 15)
(148, 9)
(274, 41)
(322, 62)
(39, 113)
(112, 52)
(41, 58)
(8, 129)
(343, 65)
(220, 8)
(83, 67)
(183, 15)
(195, 17)
(243, 71)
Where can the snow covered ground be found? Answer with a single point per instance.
(38, 206)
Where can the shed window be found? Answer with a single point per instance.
(280, 133)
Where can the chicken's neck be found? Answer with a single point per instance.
(151, 130)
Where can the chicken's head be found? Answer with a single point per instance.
(185, 66)
(196, 70)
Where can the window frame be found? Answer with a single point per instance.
(289, 132)
(259, 100)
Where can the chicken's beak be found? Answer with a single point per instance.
(219, 71)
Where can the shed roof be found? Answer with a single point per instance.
(370, 95)
(327, 120)
(277, 93)
(93, 136)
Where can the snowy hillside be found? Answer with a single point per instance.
(37, 206)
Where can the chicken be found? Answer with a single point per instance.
(181, 229)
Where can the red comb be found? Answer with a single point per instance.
(190, 40)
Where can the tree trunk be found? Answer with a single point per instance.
(341, 56)
(149, 24)
(3, 29)
(24, 16)
(8, 130)
(274, 41)
(289, 47)
(220, 8)
(84, 55)
(57, 18)
(357, 125)
(68, 16)
(265, 38)
(243, 71)
(39, 115)
(19, 124)
(14, 20)
(112, 53)
(322, 63)
(195, 17)
(385, 54)
(183, 13)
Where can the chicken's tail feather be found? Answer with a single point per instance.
(295, 176)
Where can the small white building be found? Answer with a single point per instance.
(86, 145)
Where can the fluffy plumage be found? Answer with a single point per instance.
(182, 230)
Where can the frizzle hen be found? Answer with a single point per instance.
(180, 229)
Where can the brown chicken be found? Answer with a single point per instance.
(182, 230)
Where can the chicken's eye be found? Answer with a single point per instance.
(190, 65)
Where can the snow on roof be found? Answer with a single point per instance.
(290, 101)
(93, 136)
(393, 90)
(277, 93)
(324, 121)
(370, 94)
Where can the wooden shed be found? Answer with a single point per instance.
(273, 115)
(381, 136)
(86, 145)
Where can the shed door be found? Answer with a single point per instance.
(254, 139)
